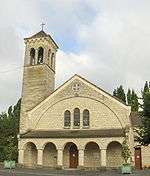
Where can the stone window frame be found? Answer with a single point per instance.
(67, 119)
(76, 118)
(40, 59)
(86, 118)
(52, 59)
(32, 56)
(49, 57)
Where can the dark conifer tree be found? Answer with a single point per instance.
(144, 132)
(120, 94)
(115, 92)
(129, 98)
(134, 101)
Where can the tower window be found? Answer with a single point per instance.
(67, 119)
(76, 117)
(52, 59)
(86, 116)
(32, 56)
(49, 56)
(40, 55)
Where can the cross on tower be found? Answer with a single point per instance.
(42, 25)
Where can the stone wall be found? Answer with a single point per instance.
(145, 151)
(92, 155)
(50, 156)
(105, 111)
(30, 155)
(38, 83)
(114, 157)
(38, 79)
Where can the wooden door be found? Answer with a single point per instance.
(138, 159)
(73, 156)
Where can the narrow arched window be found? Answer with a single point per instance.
(67, 118)
(52, 59)
(86, 118)
(76, 117)
(40, 55)
(49, 56)
(32, 56)
(49, 53)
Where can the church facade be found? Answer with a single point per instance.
(77, 125)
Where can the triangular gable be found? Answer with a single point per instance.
(103, 92)
(86, 82)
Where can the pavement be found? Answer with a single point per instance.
(49, 172)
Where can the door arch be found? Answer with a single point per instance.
(92, 155)
(70, 155)
(50, 155)
(114, 156)
(30, 155)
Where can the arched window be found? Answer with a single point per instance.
(86, 118)
(52, 59)
(76, 117)
(49, 53)
(32, 56)
(40, 55)
(49, 56)
(67, 116)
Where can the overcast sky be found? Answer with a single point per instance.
(105, 41)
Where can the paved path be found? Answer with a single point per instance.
(47, 172)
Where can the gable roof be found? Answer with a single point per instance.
(86, 82)
(42, 34)
(76, 75)
(103, 91)
(39, 34)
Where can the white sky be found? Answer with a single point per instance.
(105, 41)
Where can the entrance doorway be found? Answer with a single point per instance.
(138, 159)
(73, 156)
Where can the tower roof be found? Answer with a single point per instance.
(41, 34)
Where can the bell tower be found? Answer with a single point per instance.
(39, 73)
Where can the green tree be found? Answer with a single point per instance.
(129, 97)
(146, 87)
(119, 93)
(144, 131)
(126, 153)
(9, 128)
(115, 93)
(134, 101)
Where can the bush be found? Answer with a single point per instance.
(126, 154)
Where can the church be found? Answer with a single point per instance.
(77, 125)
